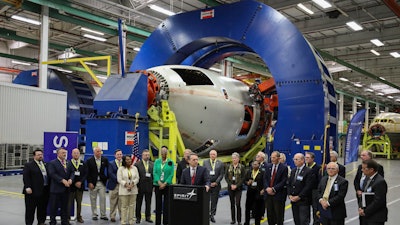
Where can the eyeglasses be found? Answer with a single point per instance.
(296, 159)
(331, 168)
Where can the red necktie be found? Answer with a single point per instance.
(271, 184)
(194, 176)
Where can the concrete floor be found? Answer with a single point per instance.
(12, 207)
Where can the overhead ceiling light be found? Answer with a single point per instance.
(377, 42)
(398, 100)
(136, 49)
(395, 54)
(95, 37)
(91, 64)
(369, 90)
(63, 70)
(355, 26)
(357, 84)
(92, 31)
(375, 52)
(31, 21)
(379, 93)
(21, 63)
(382, 78)
(305, 9)
(389, 96)
(324, 4)
(343, 79)
(161, 10)
(67, 55)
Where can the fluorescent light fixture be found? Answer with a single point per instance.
(92, 31)
(343, 79)
(382, 78)
(136, 49)
(375, 52)
(305, 9)
(389, 96)
(161, 10)
(31, 21)
(355, 26)
(324, 4)
(21, 63)
(379, 93)
(395, 54)
(67, 55)
(377, 42)
(63, 70)
(398, 100)
(369, 90)
(216, 69)
(357, 84)
(95, 37)
(91, 64)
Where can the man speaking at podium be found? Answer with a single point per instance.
(195, 174)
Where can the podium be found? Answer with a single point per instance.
(188, 205)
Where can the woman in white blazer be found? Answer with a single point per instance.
(128, 178)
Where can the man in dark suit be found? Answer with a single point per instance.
(61, 176)
(331, 193)
(375, 212)
(77, 187)
(217, 169)
(275, 179)
(145, 186)
(316, 170)
(195, 174)
(342, 169)
(97, 179)
(36, 188)
(299, 190)
(183, 164)
(113, 185)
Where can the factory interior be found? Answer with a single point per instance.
(235, 76)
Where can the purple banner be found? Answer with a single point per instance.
(353, 136)
(55, 140)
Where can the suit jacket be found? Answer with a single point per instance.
(359, 174)
(219, 170)
(316, 170)
(280, 181)
(183, 164)
(93, 174)
(57, 173)
(239, 175)
(145, 182)
(202, 176)
(33, 178)
(342, 170)
(123, 178)
(377, 210)
(336, 196)
(302, 186)
(260, 183)
(112, 175)
(82, 171)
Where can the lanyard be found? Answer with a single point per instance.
(129, 174)
(163, 165)
(41, 166)
(312, 165)
(146, 165)
(254, 175)
(75, 165)
(117, 163)
(213, 164)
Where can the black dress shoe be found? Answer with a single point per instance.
(232, 222)
(94, 218)
(149, 220)
(137, 221)
(104, 218)
(212, 219)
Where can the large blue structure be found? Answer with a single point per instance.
(307, 104)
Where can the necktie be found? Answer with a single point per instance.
(271, 184)
(193, 175)
(327, 189)
(43, 169)
(64, 165)
(365, 184)
(296, 174)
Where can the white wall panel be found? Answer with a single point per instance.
(26, 112)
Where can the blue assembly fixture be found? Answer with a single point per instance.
(79, 100)
(307, 103)
(120, 111)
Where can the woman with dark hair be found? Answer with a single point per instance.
(128, 178)
(255, 193)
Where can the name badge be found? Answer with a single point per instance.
(44, 173)
(254, 184)
(77, 173)
(233, 178)
(300, 178)
(336, 187)
(162, 176)
(212, 172)
(148, 174)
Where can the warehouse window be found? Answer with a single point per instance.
(193, 77)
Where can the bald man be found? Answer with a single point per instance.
(77, 187)
(183, 164)
(217, 169)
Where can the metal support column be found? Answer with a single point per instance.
(366, 122)
(354, 107)
(44, 47)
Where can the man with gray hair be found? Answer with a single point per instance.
(342, 169)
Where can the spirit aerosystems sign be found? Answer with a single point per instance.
(185, 194)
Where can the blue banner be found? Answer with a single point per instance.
(354, 136)
(55, 140)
